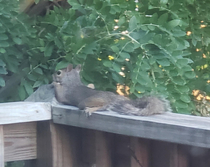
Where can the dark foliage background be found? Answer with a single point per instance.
(153, 47)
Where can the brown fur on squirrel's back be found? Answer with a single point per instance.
(70, 90)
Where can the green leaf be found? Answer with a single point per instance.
(21, 93)
(182, 89)
(178, 80)
(37, 84)
(121, 21)
(32, 77)
(144, 79)
(187, 68)
(4, 44)
(58, 43)
(2, 82)
(163, 62)
(37, 1)
(17, 40)
(173, 23)
(117, 78)
(190, 74)
(2, 63)
(185, 98)
(140, 88)
(145, 66)
(163, 2)
(151, 27)
(38, 71)
(152, 60)
(178, 33)
(116, 67)
(173, 73)
(180, 104)
(61, 65)
(129, 47)
(124, 55)
(115, 49)
(107, 63)
(184, 110)
(2, 50)
(132, 23)
(3, 37)
(48, 49)
(190, 1)
(28, 88)
(163, 19)
(90, 48)
(182, 62)
(2, 70)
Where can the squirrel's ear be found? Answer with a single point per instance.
(78, 68)
(69, 67)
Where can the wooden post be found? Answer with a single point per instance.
(199, 156)
(121, 151)
(56, 146)
(103, 150)
(44, 145)
(168, 154)
(1, 146)
(88, 147)
(140, 151)
(178, 157)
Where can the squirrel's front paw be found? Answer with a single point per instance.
(90, 110)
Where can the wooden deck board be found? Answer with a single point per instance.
(170, 127)
(18, 112)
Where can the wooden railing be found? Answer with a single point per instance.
(18, 129)
(104, 139)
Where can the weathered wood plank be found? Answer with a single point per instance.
(121, 151)
(88, 147)
(44, 145)
(178, 156)
(103, 150)
(199, 157)
(140, 152)
(62, 154)
(1, 146)
(160, 154)
(176, 128)
(20, 141)
(54, 146)
(18, 112)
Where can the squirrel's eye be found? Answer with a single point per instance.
(58, 72)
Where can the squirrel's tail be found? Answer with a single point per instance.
(143, 106)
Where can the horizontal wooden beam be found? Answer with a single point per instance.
(170, 127)
(19, 112)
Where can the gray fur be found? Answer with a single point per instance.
(70, 90)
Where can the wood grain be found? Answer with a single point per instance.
(17, 112)
(103, 150)
(176, 128)
(20, 141)
(88, 155)
(44, 145)
(62, 153)
(140, 152)
(1, 147)
(178, 156)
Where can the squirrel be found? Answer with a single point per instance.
(70, 90)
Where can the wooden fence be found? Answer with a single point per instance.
(62, 136)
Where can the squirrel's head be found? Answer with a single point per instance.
(68, 75)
